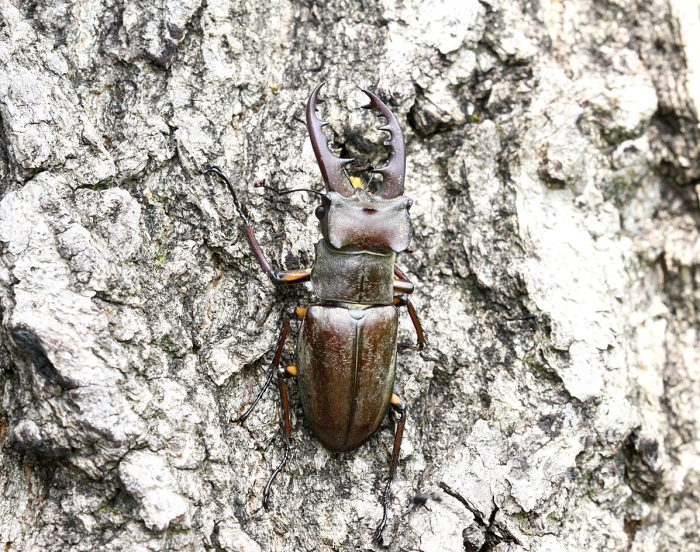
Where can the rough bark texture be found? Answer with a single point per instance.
(553, 160)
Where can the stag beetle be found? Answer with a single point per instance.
(347, 344)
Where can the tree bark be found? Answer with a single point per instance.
(554, 163)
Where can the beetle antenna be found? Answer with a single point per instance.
(371, 174)
(285, 192)
(223, 176)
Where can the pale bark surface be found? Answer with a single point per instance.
(553, 162)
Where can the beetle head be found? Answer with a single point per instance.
(352, 217)
(364, 222)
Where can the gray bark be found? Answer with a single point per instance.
(553, 159)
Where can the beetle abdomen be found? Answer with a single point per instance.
(346, 366)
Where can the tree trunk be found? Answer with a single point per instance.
(553, 159)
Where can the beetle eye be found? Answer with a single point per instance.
(320, 211)
(409, 203)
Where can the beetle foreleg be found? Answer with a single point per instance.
(277, 278)
(400, 406)
(402, 284)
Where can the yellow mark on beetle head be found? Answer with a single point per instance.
(356, 182)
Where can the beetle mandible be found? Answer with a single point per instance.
(347, 344)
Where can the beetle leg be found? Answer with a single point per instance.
(402, 284)
(403, 287)
(400, 274)
(273, 368)
(277, 278)
(401, 301)
(400, 406)
(286, 428)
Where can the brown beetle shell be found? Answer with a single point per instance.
(346, 361)
(367, 223)
(368, 278)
